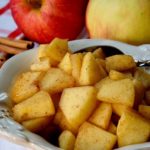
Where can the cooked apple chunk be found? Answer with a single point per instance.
(91, 137)
(143, 76)
(56, 50)
(66, 140)
(25, 86)
(120, 62)
(61, 121)
(120, 91)
(39, 105)
(90, 71)
(119, 109)
(42, 65)
(41, 51)
(102, 115)
(112, 128)
(55, 80)
(144, 111)
(65, 64)
(37, 124)
(77, 104)
(99, 53)
(102, 82)
(132, 129)
(116, 75)
(76, 61)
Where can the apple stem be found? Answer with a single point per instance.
(35, 3)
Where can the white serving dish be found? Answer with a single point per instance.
(13, 132)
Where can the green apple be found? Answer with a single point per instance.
(123, 20)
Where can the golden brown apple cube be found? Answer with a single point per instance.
(65, 63)
(116, 75)
(66, 140)
(77, 104)
(99, 53)
(139, 92)
(144, 111)
(42, 65)
(39, 105)
(112, 128)
(55, 80)
(90, 71)
(101, 63)
(120, 62)
(41, 51)
(102, 115)
(61, 121)
(91, 137)
(102, 82)
(132, 129)
(56, 50)
(143, 76)
(119, 109)
(102, 66)
(76, 61)
(24, 86)
(37, 124)
(120, 91)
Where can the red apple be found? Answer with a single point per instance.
(43, 20)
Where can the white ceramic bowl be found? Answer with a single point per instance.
(12, 131)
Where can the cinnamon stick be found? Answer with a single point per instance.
(10, 50)
(21, 44)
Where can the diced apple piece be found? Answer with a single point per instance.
(61, 121)
(102, 115)
(144, 111)
(56, 50)
(101, 67)
(101, 63)
(143, 76)
(120, 91)
(65, 64)
(91, 137)
(102, 82)
(42, 65)
(76, 61)
(112, 128)
(37, 124)
(39, 105)
(98, 53)
(139, 92)
(120, 62)
(66, 140)
(41, 51)
(116, 75)
(24, 86)
(132, 129)
(90, 72)
(55, 80)
(119, 109)
(77, 104)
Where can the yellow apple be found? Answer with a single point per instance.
(123, 20)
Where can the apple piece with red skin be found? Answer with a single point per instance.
(43, 20)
